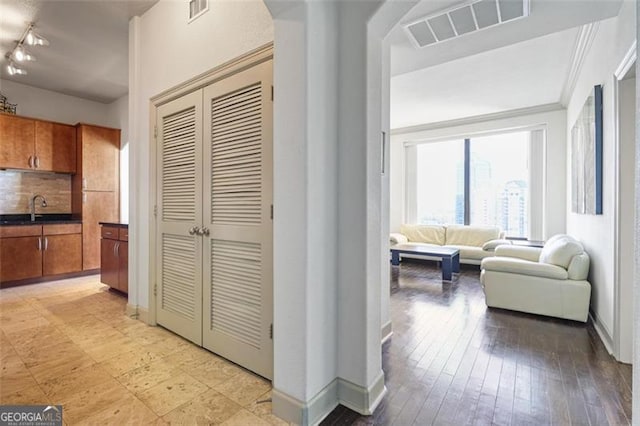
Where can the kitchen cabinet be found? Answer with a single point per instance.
(34, 251)
(55, 147)
(17, 136)
(20, 252)
(114, 257)
(62, 249)
(95, 186)
(36, 145)
(99, 152)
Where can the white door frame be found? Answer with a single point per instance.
(621, 71)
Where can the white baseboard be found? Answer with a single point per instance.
(602, 331)
(143, 315)
(312, 413)
(387, 332)
(339, 391)
(132, 311)
(359, 399)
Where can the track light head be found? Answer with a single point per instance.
(34, 39)
(12, 69)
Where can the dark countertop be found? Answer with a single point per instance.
(41, 219)
(116, 224)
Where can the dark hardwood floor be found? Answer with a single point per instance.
(453, 361)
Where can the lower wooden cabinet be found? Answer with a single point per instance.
(33, 251)
(20, 258)
(62, 254)
(114, 258)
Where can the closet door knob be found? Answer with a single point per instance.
(204, 231)
(194, 230)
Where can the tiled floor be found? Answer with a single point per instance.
(69, 342)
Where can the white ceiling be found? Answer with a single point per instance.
(88, 52)
(515, 65)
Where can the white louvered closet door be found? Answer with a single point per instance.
(237, 257)
(179, 253)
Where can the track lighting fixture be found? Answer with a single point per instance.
(12, 69)
(33, 39)
(20, 54)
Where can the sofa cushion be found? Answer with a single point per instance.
(579, 267)
(559, 251)
(431, 234)
(476, 236)
(472, 252)
(493, 244)
(524, 267)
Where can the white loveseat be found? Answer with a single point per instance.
(474, 242)
(548, 281)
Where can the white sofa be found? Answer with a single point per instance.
(548, 281)
(474, 242)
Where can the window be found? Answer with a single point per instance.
(476, 181)
(438, 198)
(499, 182)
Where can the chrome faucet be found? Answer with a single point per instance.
(32, 205)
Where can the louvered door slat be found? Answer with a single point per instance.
(178, 166)
(236, 312)
(236, 161)
(178, 295)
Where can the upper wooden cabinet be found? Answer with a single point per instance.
(98, 153)
(55, 147)
(17, 142)
(37, 145)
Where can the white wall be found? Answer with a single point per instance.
(627, 219)
(613, 39)
(47, 105)
(164, 51)
(554, 154)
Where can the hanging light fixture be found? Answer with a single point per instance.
(12, 69)
(20, 54)
(34, 39)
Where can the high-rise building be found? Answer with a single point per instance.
(513, 208)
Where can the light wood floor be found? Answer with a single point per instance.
(453, 361)
(70, 343)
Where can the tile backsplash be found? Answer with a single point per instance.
(17, 188)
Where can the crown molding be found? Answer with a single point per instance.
(478, 119)
(581, 48)
(627, 62)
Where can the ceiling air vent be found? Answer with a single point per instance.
(197, 8)
(464, 19)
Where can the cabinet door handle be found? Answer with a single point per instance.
(39, 243)
(84, 183)
(30, 161)
(84, 198)
(46, 243)
(115, 249)
(37, 162)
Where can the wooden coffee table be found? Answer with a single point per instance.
(450, 257)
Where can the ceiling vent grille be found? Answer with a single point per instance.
(197, 8)
(464, 19)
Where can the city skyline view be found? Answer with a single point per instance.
(499, 182)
